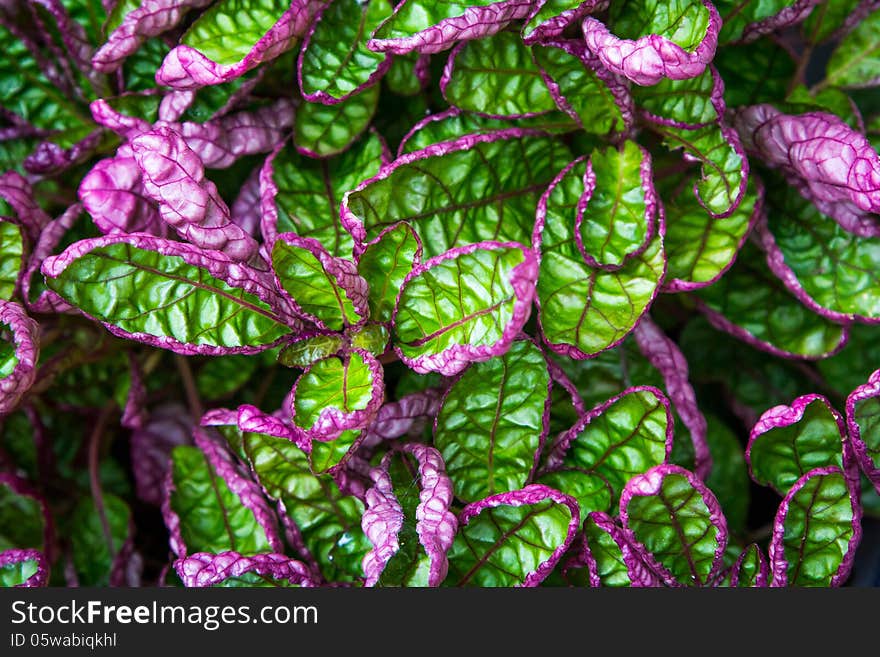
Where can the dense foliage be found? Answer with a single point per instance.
(511, 293)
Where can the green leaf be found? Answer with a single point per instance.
(736, 15)
(851, 367)
(371, 337)
(700, 247)
(682, 101)
(801, 100)
(328, 521)
(586, 93)
(309, 191)
(326, 456)
(335, 388)
(410, 565)
(684, 22)
(212, 517)
(835, 270)
(621, 438)
(856, 60)
(496, 76)
(789, 441)
(13, 574)
(211, 99)
(385, 263)
(92, 558)
(585, 309)
(758, 72)
(11, 258)
(306, 351)
(722, 163)
(470, 193)
(592, 492)
(402, 78)
(120, 10)
(325, 130)
(750, 570)
(418, 15)
(139, 69)
(26, 91)
(677, 519)
(614, 224)
(503, 544)
(826, 19)
(814, 532)
(336, 61)
(22, 524)
(756, 303)
(611, 567)
(465, 302)
(729, 478)
(491, 423)
(166, 297)
(228, 30)
(220, 377)
(317, 291)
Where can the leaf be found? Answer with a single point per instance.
(853, 365)
(327, 522)
(829, 270)
(458, 192)
(301, 195)
(788, 441)
(829, 18)
(211, 506)
(862, 414)
(690, 104)
(325, 130)
(617, 221)
(408, 74)
(429, 27)
(783, 326)
(650, 40)
(408, 519)
(335, 62)
(729, 477)
(385, 263)
(751, 569)
(166, 426)
(493, 423)
(816, 531)
(612, 561)
(463, 306)
(335, 395)
(745, 21)
(618, 439)
(583, 310)
(19, 353)
(308, 348)
(232, 37)
(755, 73)
(497, 77)
(677, 519)
(24, 519)
(599, 101)
(512, 539)
(326, 290)
(700, 248)
(550, 18)
(25, 568)
(221, 377)
(855, 61)
(329, 457)
(11, 258)
(724, 168)
(92, 557)
(181, 298)
(230, 569)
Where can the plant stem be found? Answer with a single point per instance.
(189, 386)
(94, 474)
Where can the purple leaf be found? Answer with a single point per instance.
(384, 517)
(151, 18)
(134, 412)
(50, 158)
(173, 176)
(10, 559)
(649, 58)
(204, 569)
(251, 419)
(429, 27)
(166, 427)
(48, 301)
(245, 210)
(406, 416)
(827, 161)
(549, 18)
(187, 68)
(18, 360)
(861, 414)
(16, 191)
(667, 358)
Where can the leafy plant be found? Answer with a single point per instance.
(480, 293)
